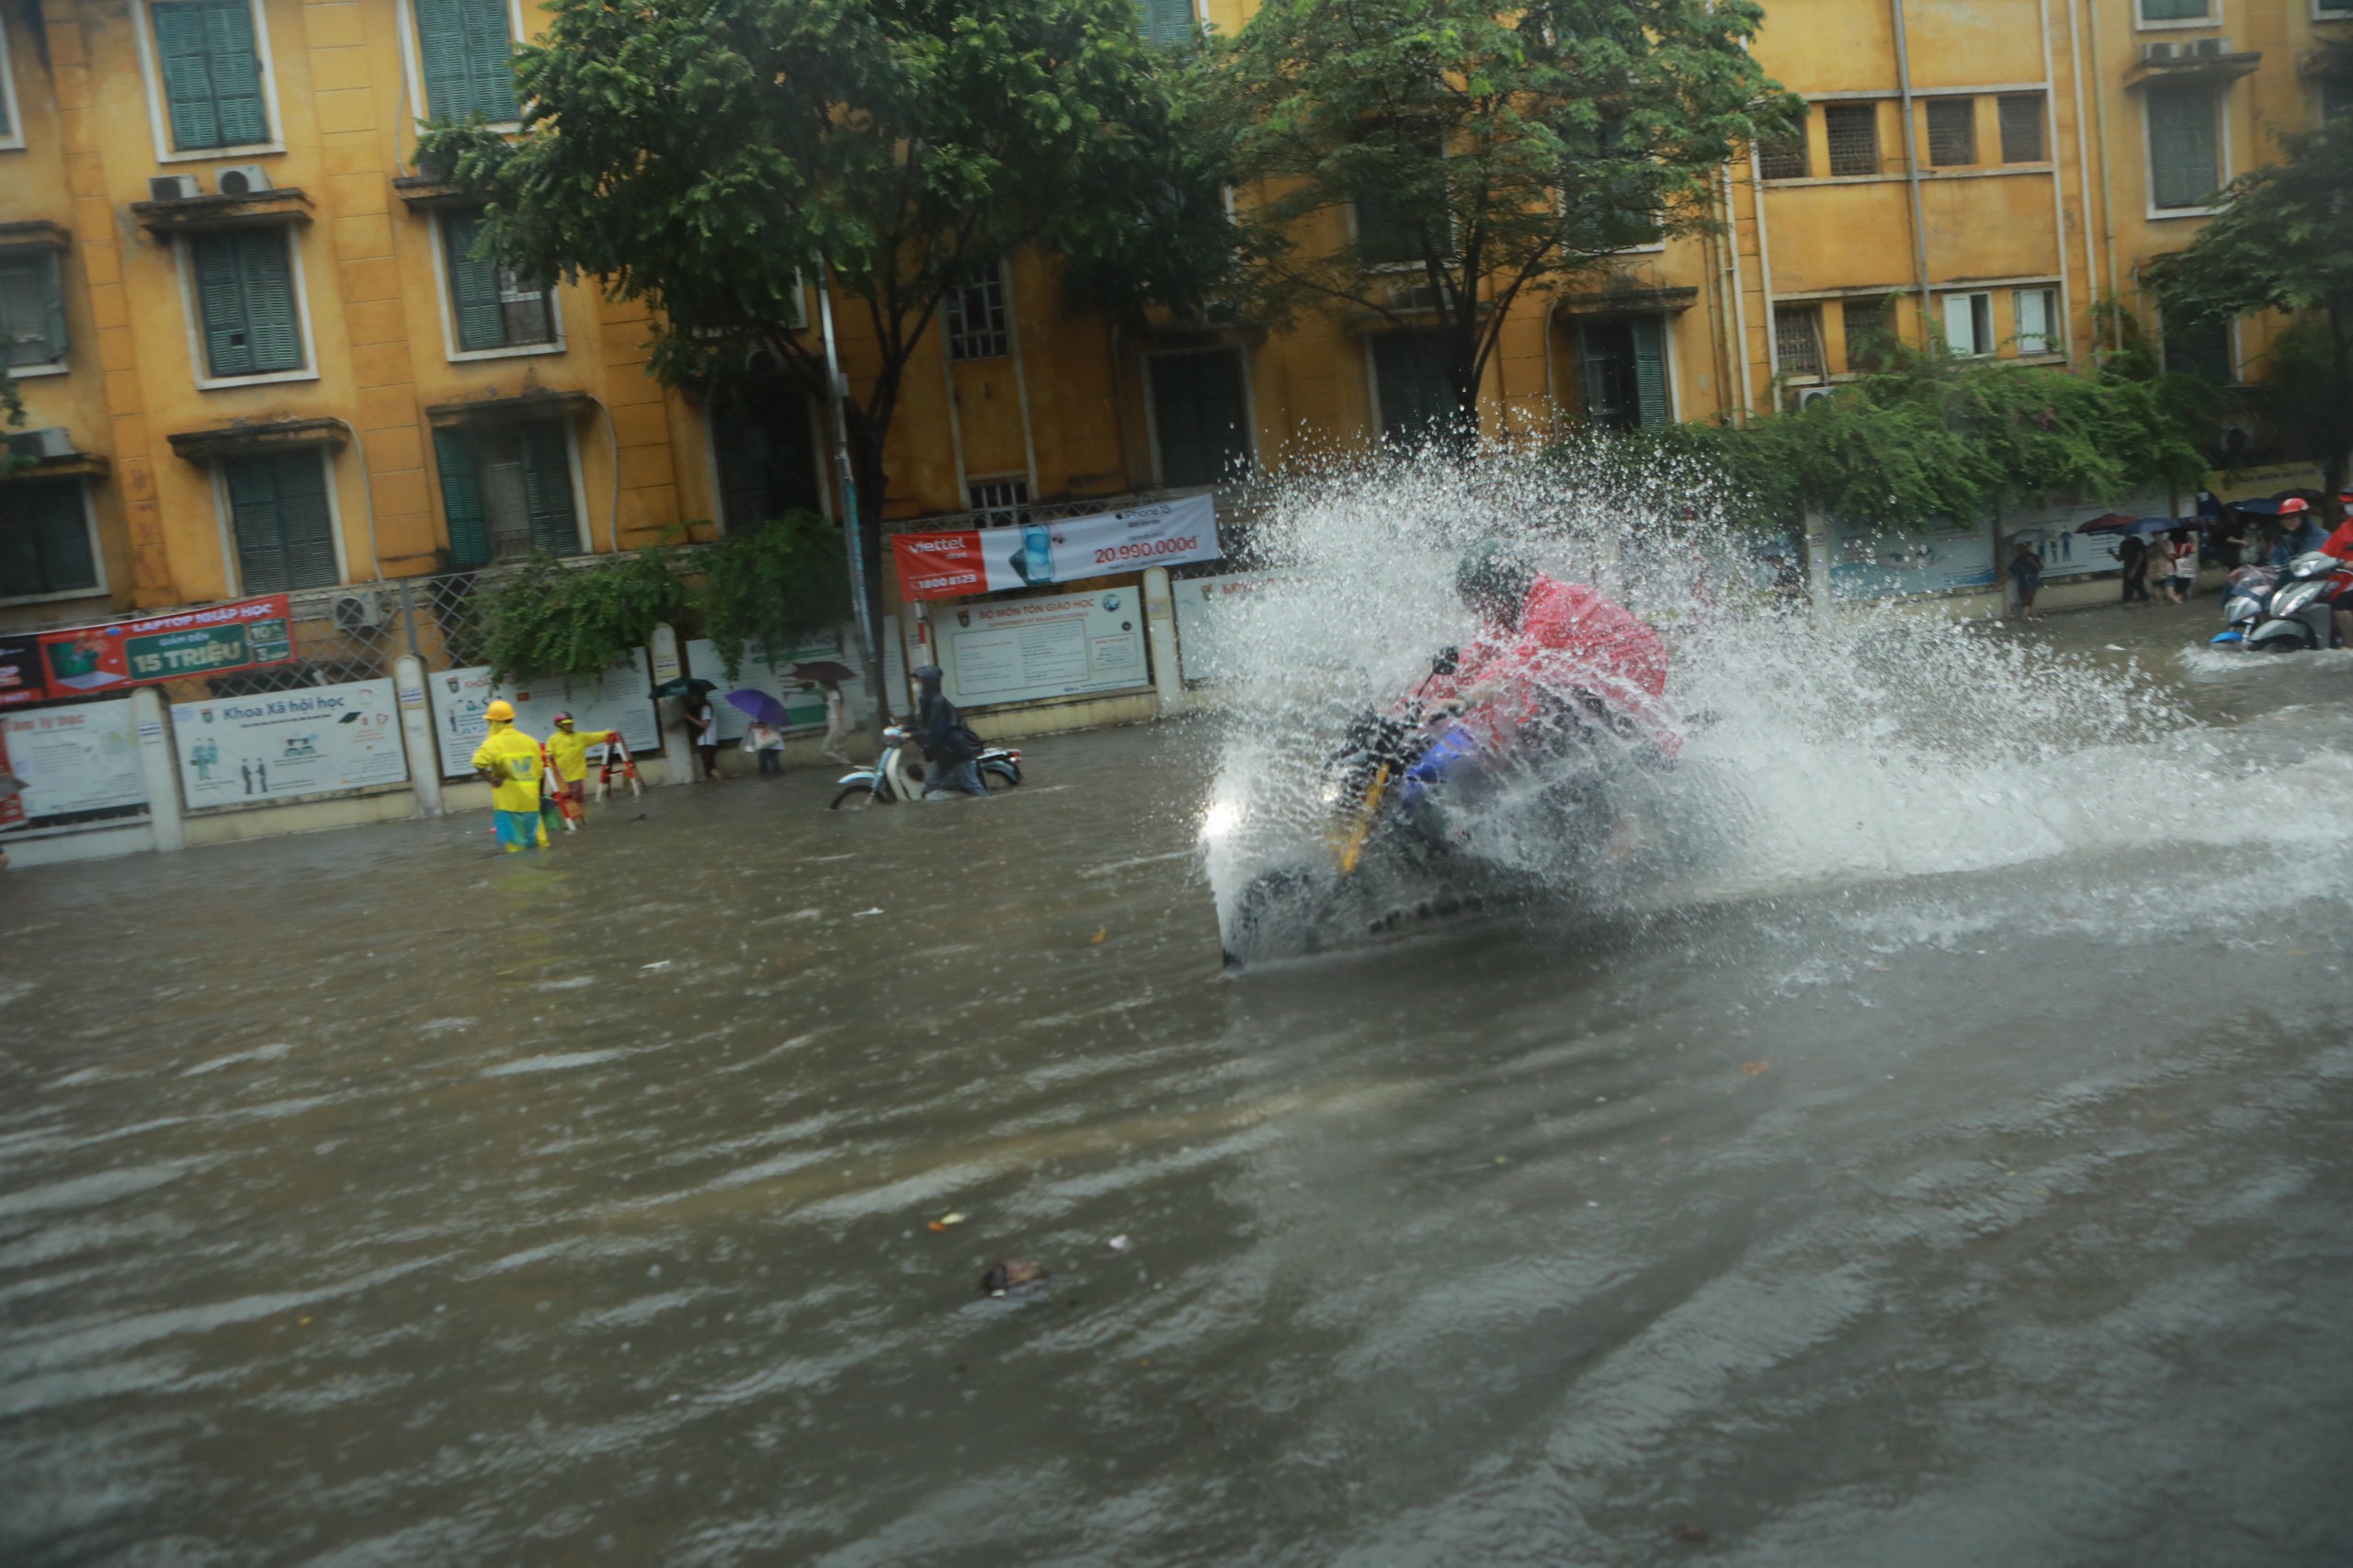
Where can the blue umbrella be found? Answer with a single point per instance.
(2159, 525)
(759, 705)
(2255, 508)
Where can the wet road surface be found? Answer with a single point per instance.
(365, 1198)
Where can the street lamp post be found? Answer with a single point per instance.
(837, 390)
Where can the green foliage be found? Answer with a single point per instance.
(545, 620)
(2284, 242)
(1931, 437)
(1502, 151)
(771, 585)
(12, 417)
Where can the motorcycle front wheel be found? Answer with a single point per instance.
(863, 794)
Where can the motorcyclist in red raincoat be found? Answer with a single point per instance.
(1552, 657)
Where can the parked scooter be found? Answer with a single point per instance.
(2296, 616)
(894, 777)
(2243, 600)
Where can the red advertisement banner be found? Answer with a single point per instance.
(245, 634)
(20, 678)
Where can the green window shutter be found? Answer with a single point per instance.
(1197, 415)
(221, 301)
(184, 48)
(272, 320)
(45, 539)
(474, 287)
(1167, 21)
(547, 488)
(1650, 370)
(237, 75)
(260, 531)
(2171, 10)
(465, 45)
(2183, 170)
(32, 309)
(462, 499)
(306, 520)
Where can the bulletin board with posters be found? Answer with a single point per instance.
(1867, 564)
(309, 741)
(805, 708)
(2065, 552)
(75, 757)
(1205, 609)
(616, 700)
(1028, 650)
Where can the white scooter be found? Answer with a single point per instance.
(894, 778)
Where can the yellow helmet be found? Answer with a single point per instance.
(500, 712)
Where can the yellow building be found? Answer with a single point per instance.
(255, 355)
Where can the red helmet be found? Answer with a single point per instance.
(560, 719)
(2294, 503)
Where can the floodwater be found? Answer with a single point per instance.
(369, 1198)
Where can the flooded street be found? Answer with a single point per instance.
(369, 1199)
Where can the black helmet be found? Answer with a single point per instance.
(1494, 572)
(927, 675)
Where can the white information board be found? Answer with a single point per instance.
(2065, 552)
(804, 707)
(280, 743)
(1871, 564)
(615, 700)
(1204, 606)
(1022, 650)
(80, 757)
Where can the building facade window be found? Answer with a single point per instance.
(1167, 21)
(2038, 319)
(1199, 416)
(2021, 116)
(1385, 236)
(464, 48)
(493, 308)
(32, 309)
(45, 546)
(1000, 500)
(244, 295)
(2336, 95)
(1409, 379)
(2202, 349)
(1869, 329)
(1952, 132)
(1623, 363)
(1797, 339)
(1785, 160)
(2173, 10)
(2184, 150)
(280, 519)
(978, 324)
(1969, 323)
(210, 68)
(12, 126)
(1852, 131)
(766, 457)
(506, 491)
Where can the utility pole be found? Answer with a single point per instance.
(837, 388)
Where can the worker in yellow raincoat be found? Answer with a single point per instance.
(510, 761)
(568, 754)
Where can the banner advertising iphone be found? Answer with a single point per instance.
(1033, 555)
(1020, 649)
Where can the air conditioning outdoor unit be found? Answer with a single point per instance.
(2207, 47)
(358, 612)
(1815, 394)
(242, 179)
(53, 441)
(173, 187)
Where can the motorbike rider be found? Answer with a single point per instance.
(1551, 656)
(2340, 544)
(947, 742)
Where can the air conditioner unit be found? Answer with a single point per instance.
(2160, 53)
(2207, 47)
(173, 187)
(35, 446)
(1815, 394)
(358, 612)
(242, 179)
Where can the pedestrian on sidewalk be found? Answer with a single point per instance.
(836, 724)
(2132, 554)
(2026, 571)
(510, 761)
(766, 741)
(702, 725)
(2181, 554)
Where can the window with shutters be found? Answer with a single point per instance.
(978, 327)
(1785, 160)
(248, 315)
(2021, 116)
(492, 309)
(1869, 327)
(1623, 363)
(1167, 22)
(506, 491)
(32, 310)
(1952, 131)
(2039, 330)
(2336, 95)
(1199, 416)
(280, 519)
(209, 61)
(2173, 10)
(464, 51)
(1797, 339)
(2200, 349)
(1386, 236)
(46, 547)
(1969, 323)
(2185, 159)
(765, 450)
(1417, 401)
(1852, 131)
(12, 126)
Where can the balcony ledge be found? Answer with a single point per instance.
(197, 214)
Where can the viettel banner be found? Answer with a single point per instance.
(1031, 555)
(245, 634)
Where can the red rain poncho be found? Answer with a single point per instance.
(1571, 638)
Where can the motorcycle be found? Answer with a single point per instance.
(1421, 813)
(2248, 590)
(2295, 615)
(893, 778)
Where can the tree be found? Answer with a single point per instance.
(1485, 152)
(711, 158)
(2284, 242)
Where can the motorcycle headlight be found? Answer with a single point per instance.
(2295, 596)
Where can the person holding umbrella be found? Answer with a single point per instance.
(765, 737)
(2026, 571)
(2132, 554)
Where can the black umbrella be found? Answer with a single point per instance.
(822, 672)
(685, 686)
